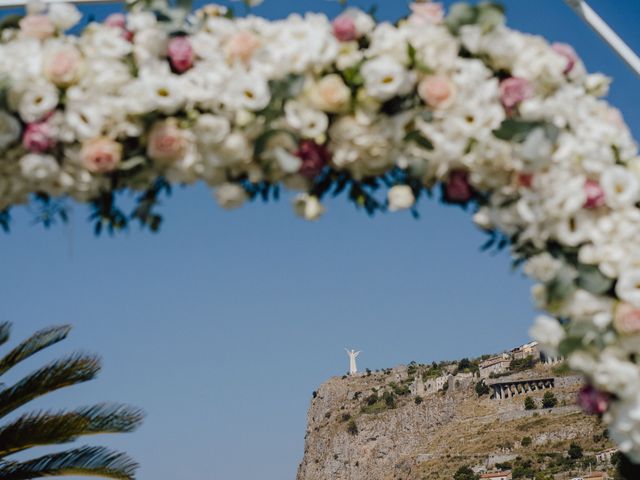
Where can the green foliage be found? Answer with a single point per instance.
(529, 403)
(465, 473)
(46, 428)
(549, 400)
(400, 390)
(487, 15)
(522, 364)
(352, 427)
(575, 451)
(418, 400)
(482, 388)
(523, 469)
(526, 441)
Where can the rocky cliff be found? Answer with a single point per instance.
(376, 426)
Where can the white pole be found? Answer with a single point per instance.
(22, 3)
(606, 32)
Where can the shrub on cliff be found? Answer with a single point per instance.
(549, 400)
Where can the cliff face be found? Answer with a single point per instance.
(374, 427)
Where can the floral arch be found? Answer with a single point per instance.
(459, 105)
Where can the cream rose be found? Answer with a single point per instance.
(242, 46)
(330, 94)
(62, 65)
(37, 26)
(101, 155)
(437, 91)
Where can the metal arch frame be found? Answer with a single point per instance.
(580, 7)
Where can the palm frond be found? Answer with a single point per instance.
(87, 461)
(67, 371)
(36, 342)
(5, 332)
(47, 428)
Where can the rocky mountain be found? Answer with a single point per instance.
(425, 422)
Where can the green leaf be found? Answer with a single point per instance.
(591, 279)
(515, 130)
(37, 342)
(569, 344)
(490, 16)
(417, 137)
(11, 21)
(461, 14)
(132, 163)
(562, 286)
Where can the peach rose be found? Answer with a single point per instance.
(37, 26)
(242, 46)
(101, 155)
(627, 318)
(427, 12)
(330, 94)
(62, 65)
(167, 142)
(436, 91)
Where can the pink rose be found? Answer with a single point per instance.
(314, 157)
(344, 28)
(514, 90)
(593, 401)
(595, 194)
(627, 318)
(116, 20)
(38, 137)
(167, 142)
(180, 53)
(101, 155)
(426, 12)
(436, 91)
(458, 189)
(525, 179)
(37, 26)
(119, 21)
(62, 65)
(567, 52)
(242, 46)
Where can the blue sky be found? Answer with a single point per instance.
(223, 325)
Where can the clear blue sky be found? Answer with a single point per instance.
(223, 325)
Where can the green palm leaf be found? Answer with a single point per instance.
(5, 332)
(86, 461)
(36, 342)
(47, 428)
(59, 374)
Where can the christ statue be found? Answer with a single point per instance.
(353, 369)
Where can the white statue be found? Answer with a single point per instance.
(353, 369)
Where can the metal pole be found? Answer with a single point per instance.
(606, 32)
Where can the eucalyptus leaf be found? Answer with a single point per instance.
(516, 130)
(132, 163)
(591, 279)
(562, 286)
(461, 14)
(420, 140)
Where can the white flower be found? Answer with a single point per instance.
(230, 195)
(308, 207)
(64, 15)
(103, 41)
(621, 187)
(211, 129)
(250, 3)
(247, 91)
(384, 78)
(9, 130)
(542, 267)
(616, 375)
(400, 197)
(549, 333)
(309, 122)
(536, 150)
(623, 421)
(628, 286)
(363, 21)
(39, 168)
(38, 98)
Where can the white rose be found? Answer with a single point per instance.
(363, 21)
(621, 187)
(211, 129)
(309, 122)
(628, 286)
(37, 100)
(384, 78)
(64, 15)
(549, 333)
(230, 195)
(542, 267)
(9, 130)
(615, 375)
(103, 41)
(400, 197)
(308, 207)
(39, 168)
